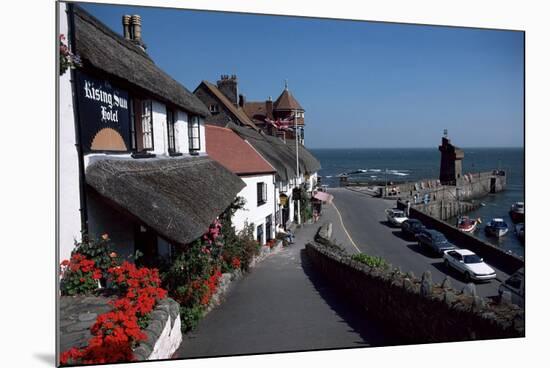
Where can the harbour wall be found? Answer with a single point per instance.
(416, 310)
(497, 257)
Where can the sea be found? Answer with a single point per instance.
(412, 164)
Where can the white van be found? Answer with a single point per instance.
(515, 284)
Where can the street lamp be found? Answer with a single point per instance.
(297, 161)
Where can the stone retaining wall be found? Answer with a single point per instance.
(163, 332)
(416, 310)
(78, 313)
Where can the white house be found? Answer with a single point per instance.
(132, 146)
(238, 156)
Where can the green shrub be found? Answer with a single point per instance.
(370, 261)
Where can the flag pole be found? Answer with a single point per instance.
(297, 162)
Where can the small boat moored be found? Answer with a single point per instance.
(517, 212)
(466, 224)
(497, 227)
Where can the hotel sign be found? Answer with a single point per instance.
(104, 115)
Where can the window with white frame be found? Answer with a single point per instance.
(141, 116)
(262, 193)
(194, 134)
(147, 124)
(171, 129)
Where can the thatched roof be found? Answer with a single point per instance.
(178, 197)
(281, 155)
(103, 49)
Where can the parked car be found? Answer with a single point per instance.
(411, 227)
(434, 240)
(515, 284)
(469, 264)
(395, 216)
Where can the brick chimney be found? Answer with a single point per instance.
(131, 27)
(126, 26)
(269, 108)
(228, 86)
(242, 100)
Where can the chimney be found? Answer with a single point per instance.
(228, 86)
(269, 108)
(126, 26)
(242, 100)
(135, 31)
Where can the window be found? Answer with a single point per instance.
(142, 125)
(262, 193)
(214, 108)
(194, 134)
(260, 234)
(171, 122)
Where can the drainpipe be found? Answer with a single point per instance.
(78, 136)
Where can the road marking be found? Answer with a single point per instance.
(344, 227)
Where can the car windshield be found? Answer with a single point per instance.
(439, 238)
(472, 258)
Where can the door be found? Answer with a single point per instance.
(146, 244)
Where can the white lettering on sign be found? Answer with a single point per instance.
(110, 99)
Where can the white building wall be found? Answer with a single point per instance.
(181, 130)
(68, 225)
(202, 136)
(252, 213)
(160, 133)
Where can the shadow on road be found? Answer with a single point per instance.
(415, 247)
(369, 330)
(388, 224)
(400, 235)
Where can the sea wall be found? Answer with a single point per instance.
(502, 260)
(416, 310)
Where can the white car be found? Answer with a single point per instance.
(395, 216)
(469, 264)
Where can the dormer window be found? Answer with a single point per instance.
(194, 134)
(142, 125)
(171, 129)
(214, 108)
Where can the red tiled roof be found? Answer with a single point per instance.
(234, 153)
(286, 102)
(254, 108)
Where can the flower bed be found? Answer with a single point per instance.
(116, 333)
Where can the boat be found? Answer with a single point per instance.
(520, 231)
(517, 212)
(466, 224)
(497, 227)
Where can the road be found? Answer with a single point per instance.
(284, 305)
(365, 221)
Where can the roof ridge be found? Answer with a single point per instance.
(83, 14)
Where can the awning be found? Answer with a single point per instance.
(178, 197)
(322, 196)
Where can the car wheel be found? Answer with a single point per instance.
(446, 263)
(467, 277)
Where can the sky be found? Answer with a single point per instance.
(362, 84)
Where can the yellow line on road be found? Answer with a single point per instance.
(344, 227)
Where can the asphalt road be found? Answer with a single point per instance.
(283, 305)
(365, 221)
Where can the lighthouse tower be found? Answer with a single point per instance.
(450, 171)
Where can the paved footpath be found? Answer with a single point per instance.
(283, 306)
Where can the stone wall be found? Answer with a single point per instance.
(163, 332)
(77, 314)
(416, 310)
(506, 262)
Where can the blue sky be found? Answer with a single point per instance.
(362, 84)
